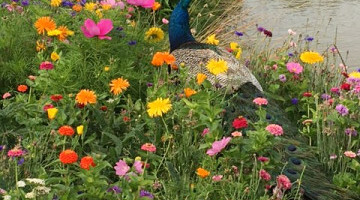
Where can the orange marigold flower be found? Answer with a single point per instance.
(200, 77)
(64, 33)
(66, 131)
(168, 58)
(189, 92)
(44, 24)
(86, 96)
(203, 173)
(40, 46)
(68, 156)
(22, 88)
(156, 6)
(157, 60)
(86, 162)
(77, 7)
(118, 85)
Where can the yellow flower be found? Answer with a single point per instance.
(203, 173)
(54, 56)
(234, 46)
(106, 68)
(217, 67)
(80, 129)
(99, 13)
(189, 92)
(90, 6)
(55, 3)
(86, 96)
(138, 158)
(212, 40)
(64, 33)
(158, 107)
(156, 6)
(354, 75)
(154, 34)
(200, 77)
(54, 32)
(106, 6)
(40, 46)
(311, 57)
(52, 113)
(238, 54)
(118, 86)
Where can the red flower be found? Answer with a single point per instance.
(126, 119)
(268, 33)
(47, 106)
(345, 86)
(80, 105)
(307, 94)
(103, 108)
(68, 156)
(345, 74)
(66, 131)
(56, 97)
(240, 122)
(86, 162)
(22, 88)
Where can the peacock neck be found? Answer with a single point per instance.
(179, 28)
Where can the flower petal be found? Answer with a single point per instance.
(105, 26)
(91, 28)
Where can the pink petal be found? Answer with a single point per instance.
(86, 32)
(105, 26)
(132, 2)
(104, 37)
(91, 27)
(211, 152)
(146, 3)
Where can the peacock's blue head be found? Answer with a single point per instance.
(179, 28)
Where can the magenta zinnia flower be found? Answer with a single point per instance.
(46, 65)
(15, 152)
(121, 168)
(148, 147)
(217, 146)
(275, 129)
(142, 3)
(283, 182)
(295, 68)
(264, 175)
(90, 29)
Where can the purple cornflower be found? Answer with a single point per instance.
(25, 2)
(21, 161)
(115, 189)
(67, 4)
(132, 42)
(351, 131)
(290, 54)
(149, 84)
(15, 0)
(325, 97)
(1, 147)
(309, 39)
(144, 193)
(82, 2)
(260, 29)
(282, 78)
(239, 33)
(294, 101)
(342, 110)
(119, 28)
(358, 70)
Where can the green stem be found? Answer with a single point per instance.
(16, 175)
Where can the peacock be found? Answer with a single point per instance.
(243, 87)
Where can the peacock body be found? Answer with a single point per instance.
(244, 88)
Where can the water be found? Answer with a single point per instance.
(315, 18)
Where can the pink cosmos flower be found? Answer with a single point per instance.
(217, 178)
(165, 21)
(148, 147)
(138, 166)
(295, 68)
(6, 95)
(283, 182)
(275, 129)
(90, 29)
(264, 175)
(121, 168)
(142, 3)
(350, 154)
(260, 101)
(217, 146)
(113, 3)
(46, 65)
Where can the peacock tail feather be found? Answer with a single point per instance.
(243, 87)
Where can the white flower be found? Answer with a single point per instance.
(42, 190)
(7, 197)
(291, 32)
(36, 181)
(30, 195)
(20, 184)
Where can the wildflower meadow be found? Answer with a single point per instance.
(94, 106)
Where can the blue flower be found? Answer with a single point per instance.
(239, 33)
(67, 4)
(309, 39)
(132, 42)
(21, 161)
(294, 101)
(115, 189)
(260, 29)
(1, 147)
(144, 193)
(25, 2)
(290, 54)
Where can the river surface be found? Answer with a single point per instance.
(316, 18)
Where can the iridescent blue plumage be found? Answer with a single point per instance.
(179, 28)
